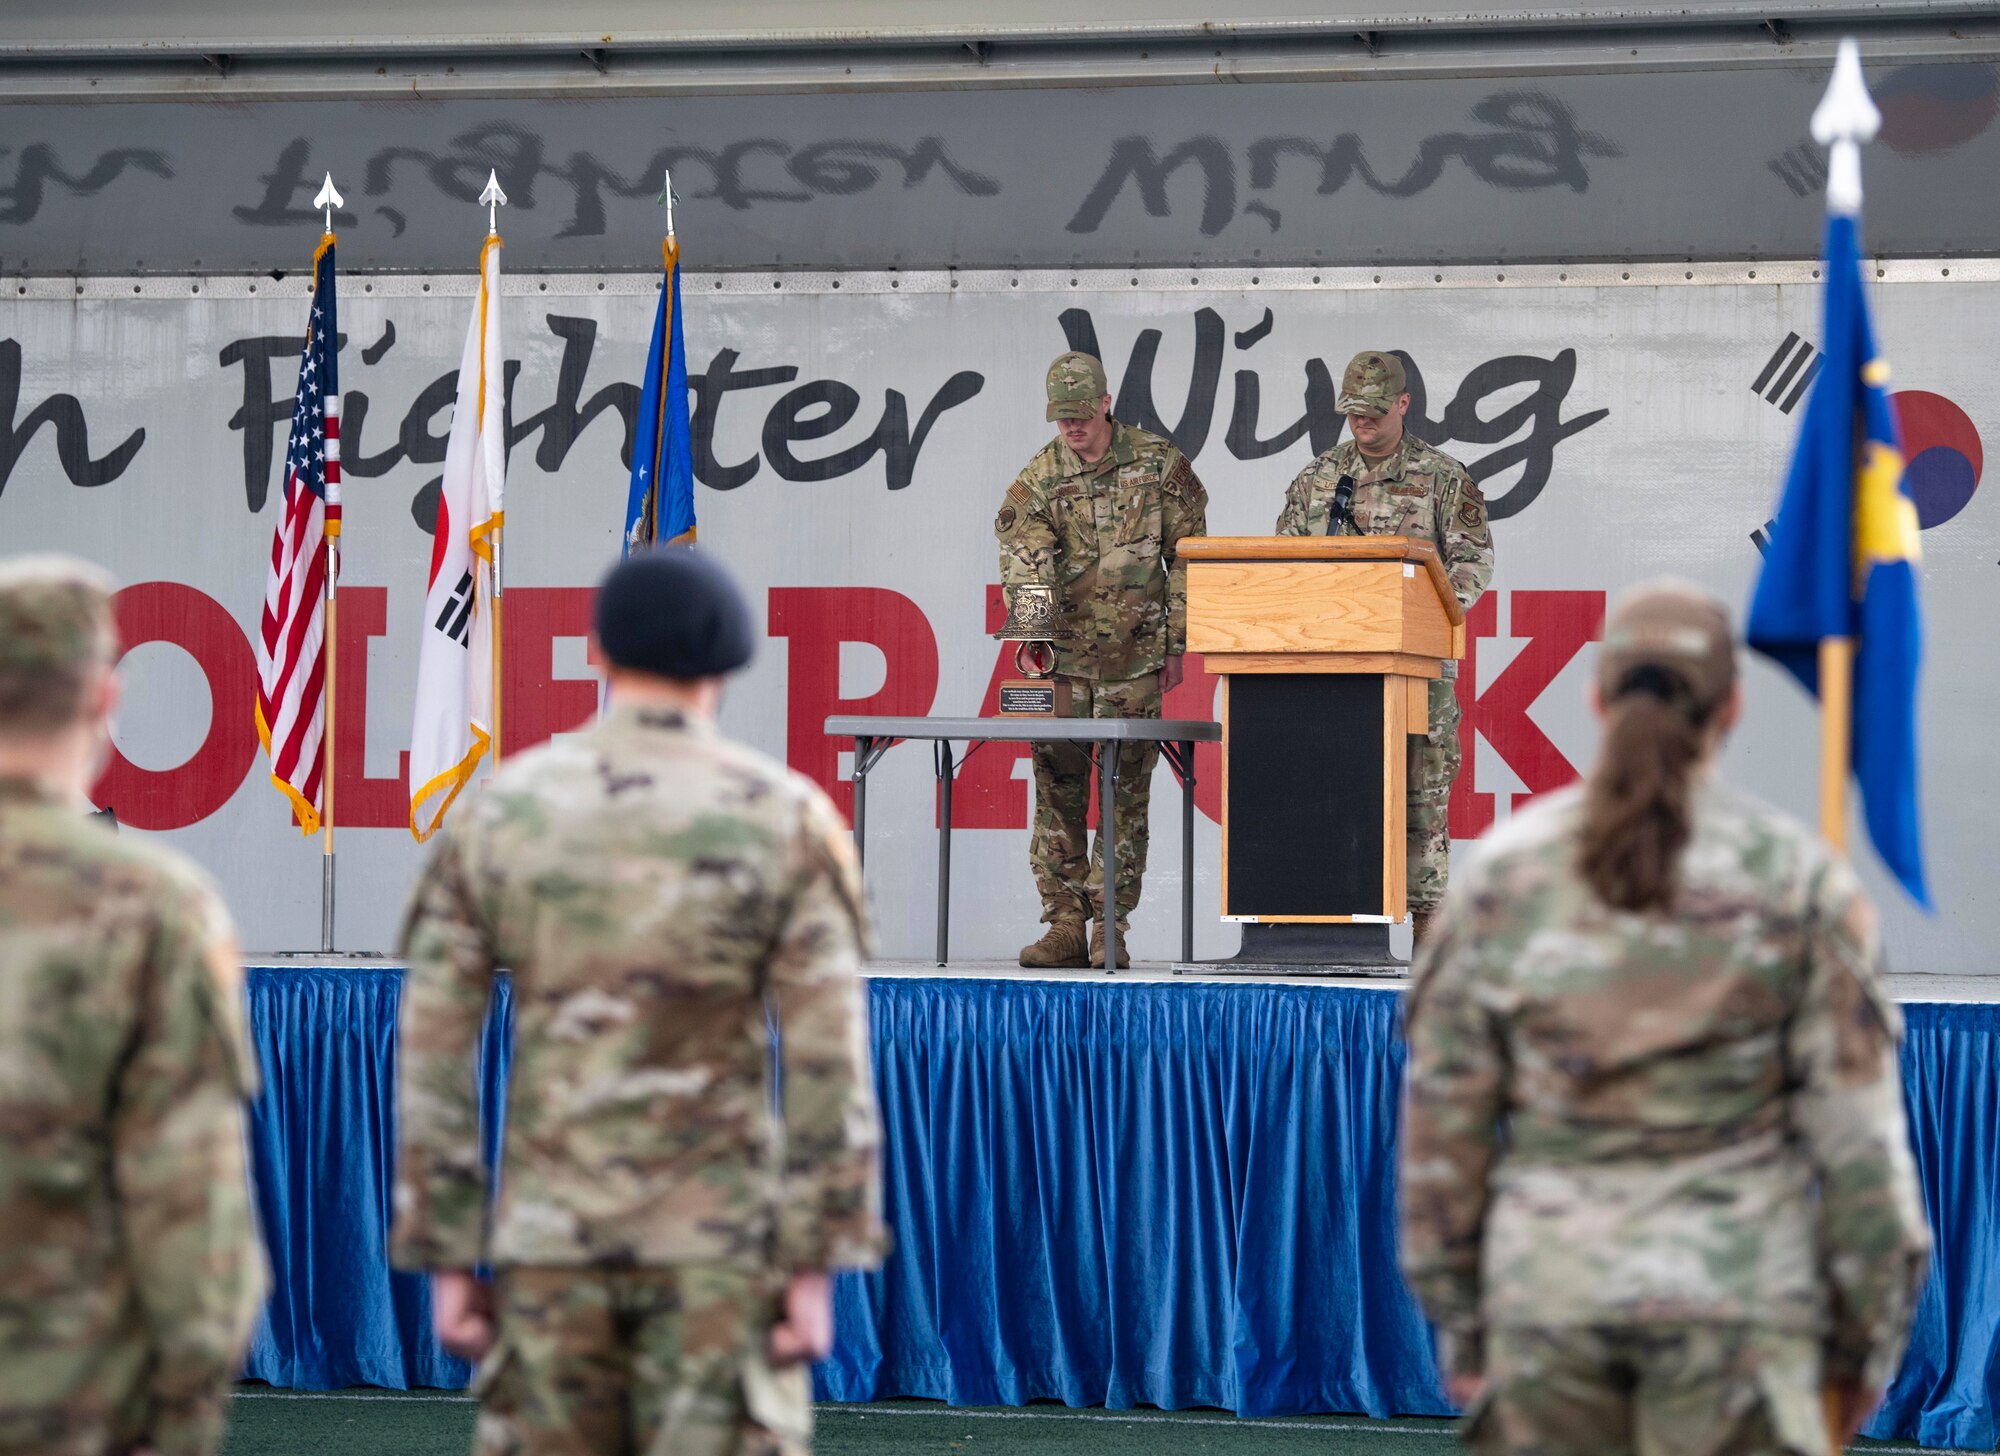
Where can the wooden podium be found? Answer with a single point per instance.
(1327, 647)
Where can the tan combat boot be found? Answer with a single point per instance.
(1420, 928)
(1097, 945)
(1061, 945)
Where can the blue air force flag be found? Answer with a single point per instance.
(660, 505)
(1842, 562)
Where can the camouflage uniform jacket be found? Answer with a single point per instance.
(1104, 536)
(653, 888)
(1703, 1117)
(1418, 492)
(130, 1272)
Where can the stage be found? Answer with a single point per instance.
(1119, 1190)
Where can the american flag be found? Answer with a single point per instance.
(291, 650)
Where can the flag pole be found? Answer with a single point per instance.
(1844, 119)
(498, 532)
(494, 199)
(326, 743)
(1836, 729)
(328, 199)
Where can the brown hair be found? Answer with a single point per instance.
(1666, 669)
(56, 640)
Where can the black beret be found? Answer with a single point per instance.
(673, 612)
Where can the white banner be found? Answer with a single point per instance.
(853, 436)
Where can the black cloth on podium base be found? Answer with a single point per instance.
(1341, 949)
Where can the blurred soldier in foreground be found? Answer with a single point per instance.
(1384, 481)
(1701, 1212)
(662, 1246)
(1098, 515)
(129, 1270)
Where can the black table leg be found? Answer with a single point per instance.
(1107, 826)
(1187, 852)
(861, 747)
(943, 762)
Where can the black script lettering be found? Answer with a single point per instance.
(792, 419)
(21, 199)
(1134, 400)
(564, 421)
(420, 445)
(1134, 160)
(1534, 142)
(514, 152)
(263, 409)
(1538, 144)
(64, 413)
(710, 388)
(354, 460)
(834, 167)
(424, 505)
(1541, 412)
(900, 447)
(1526, 430)
(289, 188)
(590, 178)
(374, 352)
(843, 168)
(1322, 420)
(559, 425)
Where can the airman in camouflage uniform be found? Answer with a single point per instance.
(1656, 1187)
(1099, 514)
(1404, 487)
(655, 890)
(130, 1274)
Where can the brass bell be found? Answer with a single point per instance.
(1032, 627)
(1031, 615)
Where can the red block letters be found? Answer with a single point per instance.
(1557, 624)
(815, 621)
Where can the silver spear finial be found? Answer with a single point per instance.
(329, 198)
(494, 199)
(1843, 121)
(667, 196)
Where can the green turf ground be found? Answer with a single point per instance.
(436, 1423)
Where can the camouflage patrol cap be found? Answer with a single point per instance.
(1076, 387)
(1372, 384)
(1674, 628)
(55, 614)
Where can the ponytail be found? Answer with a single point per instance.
(1637, 814)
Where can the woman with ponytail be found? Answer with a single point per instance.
(1656, 1190)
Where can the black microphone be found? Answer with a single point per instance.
(1341, 514)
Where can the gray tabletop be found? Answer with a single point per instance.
(1031, 730)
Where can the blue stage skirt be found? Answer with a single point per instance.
(1106, 1193)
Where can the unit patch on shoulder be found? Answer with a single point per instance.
(1471, 504)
